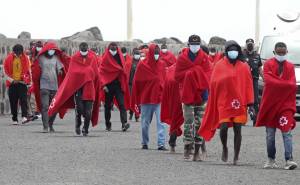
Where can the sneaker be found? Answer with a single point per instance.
(125, 127)
(84, 133)
(15, 123)
(172, 150)
(24, 120)
(108, 126)
(145, 147)
(162, 148)
(51, 130)
(290, 165)
(45, 130)
(137, 119)
(270, 164)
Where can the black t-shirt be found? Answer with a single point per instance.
(254, 62)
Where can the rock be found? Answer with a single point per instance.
(91, 34)
(24, 35)
(2, 36)
(176, 40)
(217, 41)
(96, 32)
(164, 40)
(139, 41)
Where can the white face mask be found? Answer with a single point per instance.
(233, 54)
(51, 52)
(38, 49)
(136, 57)
(156, 56)
(212, 54)
(84, 53)
(113, 53)
(194, 48)
(164, 50)
(280, 58)
(124, 54)
(143, 58)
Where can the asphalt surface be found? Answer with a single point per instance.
(29, 157)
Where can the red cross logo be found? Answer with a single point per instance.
(235, 104)
(283, 121)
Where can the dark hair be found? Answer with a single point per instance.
(280, 45)
(213, 49)
(18, 49)
(135, 49)
(83, 44)
(124, 50)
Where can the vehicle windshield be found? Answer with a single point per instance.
(293, 46)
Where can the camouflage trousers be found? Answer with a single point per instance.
(192, 121)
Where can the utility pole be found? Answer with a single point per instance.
(257, 21)
(129, 19)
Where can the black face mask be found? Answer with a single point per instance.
(250, 47)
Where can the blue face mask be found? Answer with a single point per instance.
(51, 52)
(194, 48)
(233, 54)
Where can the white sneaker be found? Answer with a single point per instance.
(290, 165)
(24, 120)
(15, 123)
(270, 164)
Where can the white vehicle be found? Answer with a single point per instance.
(293, 46)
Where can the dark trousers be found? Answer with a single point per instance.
(83, 108)
(256, 100)
(46, 99)
(115, 90)
(18, 93)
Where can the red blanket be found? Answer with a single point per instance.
(148, 80)
(192, 76)
(8, 68)
(231, 90)
(36, 70)
(171, 107)
(278, 104)
(168, 58)
(111, 70)
(82, 73)
(128, 66)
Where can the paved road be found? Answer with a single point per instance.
(29, 157)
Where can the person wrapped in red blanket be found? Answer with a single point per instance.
(80, 90)
(278, 105)
(147, 92)
(48, 72)
(231, 91)
(192, 73)
(130, 69)
(171, 107)
(167, 56)
(114, 84)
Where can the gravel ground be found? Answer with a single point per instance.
(29, 157)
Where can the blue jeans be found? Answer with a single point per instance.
(147, 111)
(287, 141)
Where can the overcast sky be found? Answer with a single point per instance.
(231, 19)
